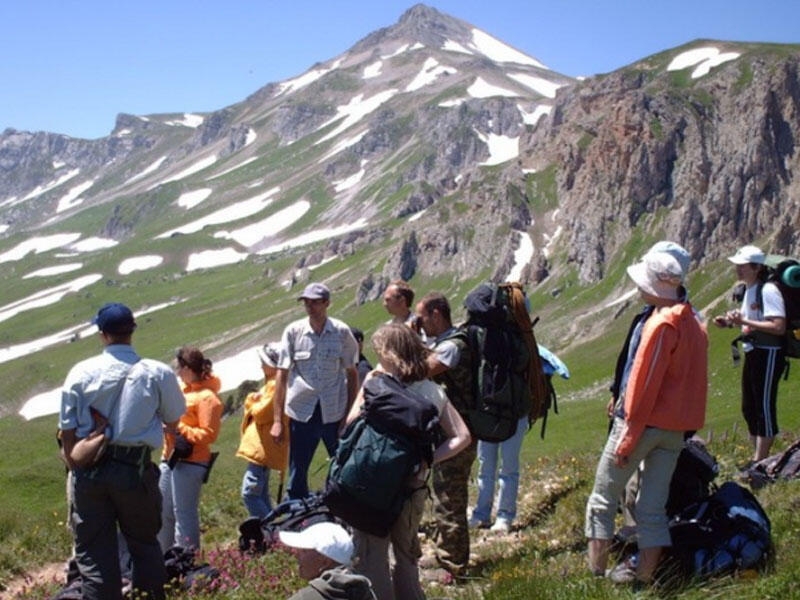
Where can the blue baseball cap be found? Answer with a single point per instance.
(114, 318)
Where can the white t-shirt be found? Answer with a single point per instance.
(772, 300)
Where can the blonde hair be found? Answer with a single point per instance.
(401, 351)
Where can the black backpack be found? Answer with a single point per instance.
(508, 381)
(786, 276)
(258, 535)
(693, 478)
(726, 533)
(378, 453)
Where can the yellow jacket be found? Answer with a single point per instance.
(257, 445)
(201, 422)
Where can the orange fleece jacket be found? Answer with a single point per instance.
(201, 422)
(668, 384)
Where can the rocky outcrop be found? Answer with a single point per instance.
(708, 162)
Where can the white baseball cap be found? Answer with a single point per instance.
(659, 274)
(329, 539)
(748, 254)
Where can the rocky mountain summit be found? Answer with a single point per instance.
(429, 151)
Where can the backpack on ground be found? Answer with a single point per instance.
(693, 478)
(183, 569)
(378, 453)
(726, 533)
(784, 465)
(258, 535)
(508, 381)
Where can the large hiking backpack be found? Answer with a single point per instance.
(257, 535)
(784, 465)
(786, 275)
(378, 453)
(508, 381)
(725, 533)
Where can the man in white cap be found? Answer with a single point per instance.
(663, 397)
(762, 318)
(324, 554)
(315, 385)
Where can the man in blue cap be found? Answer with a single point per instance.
(315, 384)
(131, 400)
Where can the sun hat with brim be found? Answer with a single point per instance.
(269, 354)
(329, 539)
(659, 274)
(748, 254)
(677, 251)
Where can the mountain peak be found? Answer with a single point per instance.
(424, 25)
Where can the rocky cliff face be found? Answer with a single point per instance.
(709, 162)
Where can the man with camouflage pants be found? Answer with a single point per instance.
(450, 367)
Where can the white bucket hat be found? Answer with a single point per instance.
(270, 354)
(677, 251)
(329, 539)
(659, 274)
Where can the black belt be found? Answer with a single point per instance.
(130, 454)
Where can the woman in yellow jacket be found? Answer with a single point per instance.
(257, 446)
(187, 451)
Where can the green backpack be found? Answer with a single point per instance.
(378, 453)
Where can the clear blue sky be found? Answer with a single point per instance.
(70, 66)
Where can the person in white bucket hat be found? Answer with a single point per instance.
(762, 319)
(663, 396)
(324, 554)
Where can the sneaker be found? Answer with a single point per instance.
(501, 525)
(476, 523)
(624, 572)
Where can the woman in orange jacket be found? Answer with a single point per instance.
(257, 446)
(664, 397)
(187, 451)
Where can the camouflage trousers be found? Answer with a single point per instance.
(450, 501)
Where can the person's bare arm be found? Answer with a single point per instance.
(458, 436)
(278, 405)
(435, 367)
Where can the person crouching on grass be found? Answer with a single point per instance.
(664, 397)
(324, 554)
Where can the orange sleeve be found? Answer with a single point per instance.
(644, 384)
(209, 421)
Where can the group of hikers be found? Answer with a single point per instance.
(317, 383)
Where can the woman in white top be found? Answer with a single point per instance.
(762, 319)
(402, 354)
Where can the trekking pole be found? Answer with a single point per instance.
(280, 487)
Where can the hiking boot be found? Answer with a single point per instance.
(475, 523)
(501, 525)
